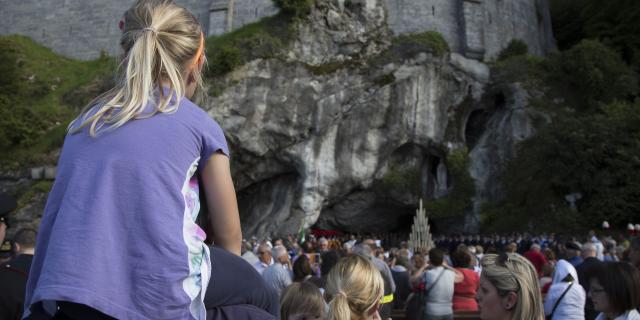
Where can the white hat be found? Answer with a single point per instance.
(630, 227)
(605, 225)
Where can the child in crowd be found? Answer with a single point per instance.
(118, 238)
(354, 289)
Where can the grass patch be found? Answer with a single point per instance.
(32, 108)
(515, 47)
(264, 39)
(409, 45)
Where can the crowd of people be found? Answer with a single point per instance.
(368, 276)
(523, 276)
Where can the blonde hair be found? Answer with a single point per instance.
(301, 300)
(354, 286)
(511, 272)
(162, 42)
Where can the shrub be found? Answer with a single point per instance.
(515, 47)
(459, 198)
(261, 40)
(596, 154)
(297, 8)
(596, 72)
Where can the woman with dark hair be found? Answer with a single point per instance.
(303, 271)
(464, 292)
(615, 291)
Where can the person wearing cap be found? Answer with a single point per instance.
(573, 253)
(6, 251)
(7, 204)
(14, 275)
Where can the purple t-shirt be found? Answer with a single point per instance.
(118, 232)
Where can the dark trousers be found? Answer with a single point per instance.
(76, 311)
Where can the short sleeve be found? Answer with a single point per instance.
(213, 140)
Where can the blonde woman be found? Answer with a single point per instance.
(509, 289)
(118, 237)
(354, 289)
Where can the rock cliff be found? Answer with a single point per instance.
(314, 147)
(350, 126)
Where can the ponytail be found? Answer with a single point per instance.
(161, 42)
(339, 307)
(355, 287)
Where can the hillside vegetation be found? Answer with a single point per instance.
(40, 92)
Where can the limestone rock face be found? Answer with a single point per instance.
(341, 31)
(310, 148)
(331, 135)
(505, 123)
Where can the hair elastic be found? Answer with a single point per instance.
(196, 58)
(152, 29)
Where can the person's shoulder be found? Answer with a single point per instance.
(196, 112)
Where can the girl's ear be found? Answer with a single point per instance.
(510, 300)
(373, 313)
(192, 74)
(200, 63)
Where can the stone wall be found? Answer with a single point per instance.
(478, 29)
(83, 28)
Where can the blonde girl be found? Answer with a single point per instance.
(354, 289)
(509, 289)
(118, 237)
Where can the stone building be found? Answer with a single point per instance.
(478, 29)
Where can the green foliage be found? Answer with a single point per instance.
(615, 23)
(515, 47)
(595, 72)
(297, 8)
(587, 75)
(597, 155)
(34, 80)
(224, 60)
(409, 45)
(530, 70)
(459, 198)
(327, 68)
(263, 39)
(430, 41)
(401, 179)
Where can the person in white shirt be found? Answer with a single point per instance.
(278, 275)
(264, 258)
(566, 297)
